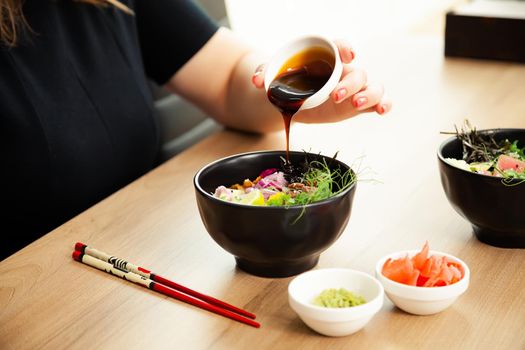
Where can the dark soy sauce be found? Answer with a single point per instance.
(300, 77)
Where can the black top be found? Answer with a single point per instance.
(76, 112)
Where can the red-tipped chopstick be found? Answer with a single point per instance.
(148, 283)
(127, 266)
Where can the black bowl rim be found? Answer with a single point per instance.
(259, 207)
(494, 130)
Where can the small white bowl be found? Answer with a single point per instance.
(296, 46)
(422, 300)
(335, 322)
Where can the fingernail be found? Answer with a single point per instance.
(259, 69)
(257, 72)
(254, 77)
(349, 55)
(382, 109)
(340, 94)
(360, 101)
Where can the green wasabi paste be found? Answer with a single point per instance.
(338, 298)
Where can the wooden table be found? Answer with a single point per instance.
(49, 301)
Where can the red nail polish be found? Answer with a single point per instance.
(358, 102)
(254, 77)
(340, 94)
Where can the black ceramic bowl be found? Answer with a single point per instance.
(494, 208)
(269, 241)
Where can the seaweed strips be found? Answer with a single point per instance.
(482, 147)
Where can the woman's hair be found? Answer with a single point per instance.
(12, 19)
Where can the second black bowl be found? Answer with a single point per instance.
(495, 208)
(269, 241)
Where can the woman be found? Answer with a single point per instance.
(76, 113)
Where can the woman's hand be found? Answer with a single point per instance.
(228, 95)
(352, 96)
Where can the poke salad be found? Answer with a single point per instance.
(310, 182)
(482, 154)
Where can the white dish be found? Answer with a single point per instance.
(335, 322)
(422, 300)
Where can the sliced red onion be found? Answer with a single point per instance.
(277, 180)
(267, 172)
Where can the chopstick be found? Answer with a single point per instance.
(158, 287)
(126, 265)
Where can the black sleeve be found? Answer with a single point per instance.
(170, 33)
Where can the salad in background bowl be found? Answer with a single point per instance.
(483, 152)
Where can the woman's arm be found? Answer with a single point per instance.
(220, 79)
